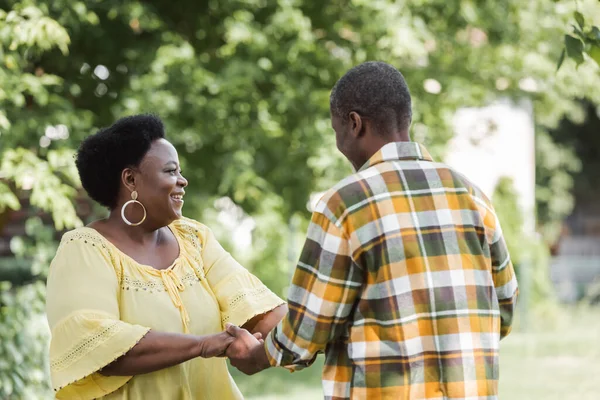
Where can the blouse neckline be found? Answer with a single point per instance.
(148, 268)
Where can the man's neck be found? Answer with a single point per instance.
(378, 141)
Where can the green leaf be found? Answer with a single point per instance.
(4, 122)
(561, 59)
(594, 33)
(594, 53)
(8, 199)
(580, 20)
(574, 48)
(578, 32)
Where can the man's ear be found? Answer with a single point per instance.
(356, 124)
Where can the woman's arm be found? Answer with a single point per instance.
(264, 323)
(229, 280)
(158, 350)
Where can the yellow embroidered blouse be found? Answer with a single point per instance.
(100, 303)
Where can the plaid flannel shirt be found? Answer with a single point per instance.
(404, 282)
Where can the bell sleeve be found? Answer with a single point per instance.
(82, 306)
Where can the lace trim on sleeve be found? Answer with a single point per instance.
(140, 337)
(100, 335)
(242, 299)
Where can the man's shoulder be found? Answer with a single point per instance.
(474, 190)
(357, 188)
(345, 194)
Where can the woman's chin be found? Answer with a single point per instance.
(170, 215)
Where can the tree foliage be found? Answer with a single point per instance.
(585, 38)
(243, 87)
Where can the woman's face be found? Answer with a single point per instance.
(159, 183)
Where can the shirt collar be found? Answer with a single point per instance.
(398, 151)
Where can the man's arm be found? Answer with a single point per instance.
(325, 287)
(322, 296)
(503, 272)
(505, 282)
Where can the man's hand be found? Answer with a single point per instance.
(246, 353)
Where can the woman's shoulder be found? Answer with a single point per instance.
(83, 234)
(188, 225)
(193, 233)
(84, 237)
(82, 249)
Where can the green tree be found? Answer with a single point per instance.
(42, 177)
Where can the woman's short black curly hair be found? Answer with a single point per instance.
(102, 156)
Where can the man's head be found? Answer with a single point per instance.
(370, 106)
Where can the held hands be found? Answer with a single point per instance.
(246, 353)
(216, 345)
(244, 350)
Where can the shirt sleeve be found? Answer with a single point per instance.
(241, 295)
(83, 314)
(503, 273)
(324, 290)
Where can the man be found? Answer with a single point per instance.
(405, 281)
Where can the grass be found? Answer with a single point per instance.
(556, 357)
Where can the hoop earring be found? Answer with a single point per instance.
(133, 200)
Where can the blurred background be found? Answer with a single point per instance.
(506, 91)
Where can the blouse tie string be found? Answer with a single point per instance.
(173, 286)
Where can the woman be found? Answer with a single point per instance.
(137, 302)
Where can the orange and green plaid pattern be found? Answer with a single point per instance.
(404, 282)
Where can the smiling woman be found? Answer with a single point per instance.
(136, 302)
(158, 179)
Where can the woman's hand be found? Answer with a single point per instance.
(216, 345)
